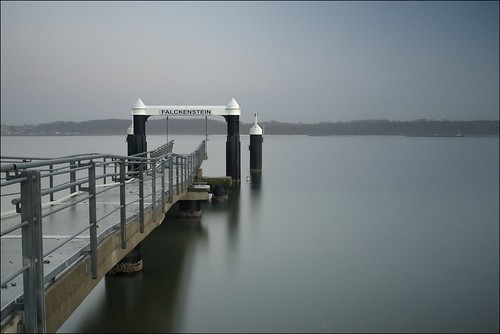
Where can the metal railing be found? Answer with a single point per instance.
(165, 149)
(41, 189)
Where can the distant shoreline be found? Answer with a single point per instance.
(178, 126)
(195, 134)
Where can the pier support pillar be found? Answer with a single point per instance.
(190, 208)
(219, 194)
(131, 263)
(140, 132)
(136, 139)
(233, 153)
(256, 148)
(136, 144)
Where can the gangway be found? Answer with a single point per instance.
(67, 221)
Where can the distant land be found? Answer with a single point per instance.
(192, 126)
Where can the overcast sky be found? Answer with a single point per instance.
(289, 61)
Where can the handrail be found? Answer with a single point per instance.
(5, 167)
(162, 150)
(32, 164)
(66, 174)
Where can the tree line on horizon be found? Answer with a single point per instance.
(212, 127)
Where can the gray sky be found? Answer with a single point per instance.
(289, 61)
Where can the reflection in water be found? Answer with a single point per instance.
(228, 213)
(151, 300)
(255, 181)
(255, 214)
(233, 219)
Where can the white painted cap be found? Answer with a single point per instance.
(233, 104)
(139, 108)
(233, 108)
(256, 129)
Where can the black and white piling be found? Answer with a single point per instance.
(233, 146)
(256, 148)
(136, 133)
(139, 135)
(136, 144)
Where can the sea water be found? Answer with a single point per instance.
(340, 234)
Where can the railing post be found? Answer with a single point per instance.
(51, 182)
(115, 170)
(183, 167)
(205, 150)
(93, 220)
(193, 161)
(205, 156)
(203, 153)
(170, 179)
(185, 175)
(32, 250)
(198, 159)
(123, 218)
(177, 173)
(190, 168)
(27, 215)
(153, 192)
(38, 242)
(141, 197)
(104, 171)
(181, 173)
(72, 176)
(163, 188)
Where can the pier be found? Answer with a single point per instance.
(67, 222)
(74, 218)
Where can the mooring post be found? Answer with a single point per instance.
(233, 153)
(255, 148)
(136, 134)
(136, 144)
(141, 145)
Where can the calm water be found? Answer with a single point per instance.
(343, 234)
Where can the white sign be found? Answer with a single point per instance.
(140, 108)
